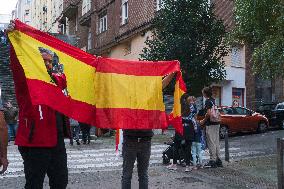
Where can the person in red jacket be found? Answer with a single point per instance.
(40, 136)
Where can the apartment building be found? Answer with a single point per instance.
(23, 11)
(76, 20)
(119, 28)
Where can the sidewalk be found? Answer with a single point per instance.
(258, 173)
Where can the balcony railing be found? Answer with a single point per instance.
(70, 8)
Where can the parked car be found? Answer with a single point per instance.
(238, 119)
(274, 113)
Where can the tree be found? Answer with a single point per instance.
(260, 23)
(188, 31)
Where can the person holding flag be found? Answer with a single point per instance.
(109, 93)
(137, 145)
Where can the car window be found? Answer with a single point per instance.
(267, 107)
(228, 111)
(280, 107)
(241, 111)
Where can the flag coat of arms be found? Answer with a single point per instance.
(103, 92)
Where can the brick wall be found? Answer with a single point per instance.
(224, 10)
(80, 31)
(140, 14)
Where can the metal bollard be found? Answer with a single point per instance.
(227, 154)
(280, 175)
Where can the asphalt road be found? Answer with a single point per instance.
(98, 166)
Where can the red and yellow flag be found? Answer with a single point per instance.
(103, 92)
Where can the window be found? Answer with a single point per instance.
(160, 4)
(228, 111)
(280, 107)
(242, 111)
(102, 23)
(237, 57)
(76, 22)
(89, 39)
(124, 12)
(127, 49)
(86, 6)
(238, 97)
(217, 95)
(28, 1)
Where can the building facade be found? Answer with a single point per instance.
(41, 14)
(23, 11)
(4, 21)
(119, 28)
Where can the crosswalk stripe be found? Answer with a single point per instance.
(79, 159)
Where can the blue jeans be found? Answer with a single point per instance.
(12, 130)
(196, 153)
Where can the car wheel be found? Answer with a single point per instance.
(223, 130)
(262, 127)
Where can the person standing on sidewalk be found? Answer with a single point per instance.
(11, 114)
(40, 135)
(3, 140)
(196, 143)
(137, 145)
(75, 131)
(212, 130)
(86, 136)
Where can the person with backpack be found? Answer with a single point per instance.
(212, 122)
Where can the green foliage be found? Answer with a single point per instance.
(188, 31)
(260, 23)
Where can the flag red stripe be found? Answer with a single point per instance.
(56, 43)
(124, 118)
(137, 68)
(82, 112)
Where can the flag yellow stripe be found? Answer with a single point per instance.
(79, 75)
(128, 91)
(177, 96)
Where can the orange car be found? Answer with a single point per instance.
(238, 119)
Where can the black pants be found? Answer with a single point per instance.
(177, 147)
(187, 152)
(41, 161)
(135, 148)
(85, 133)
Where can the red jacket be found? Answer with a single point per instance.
(37, 124)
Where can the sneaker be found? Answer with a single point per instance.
(210, 164)
(172, 167)
(219, 163)
(200, 166)
(195, 168)
(188, 169)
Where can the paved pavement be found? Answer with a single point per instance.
(98, 166)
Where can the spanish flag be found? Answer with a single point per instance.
(103, 92)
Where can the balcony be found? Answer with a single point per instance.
(85, 20)
(70, 8)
